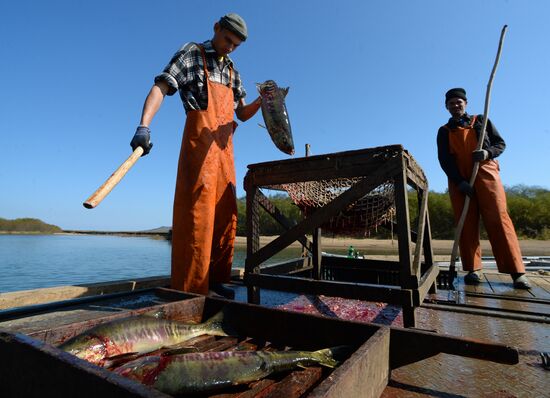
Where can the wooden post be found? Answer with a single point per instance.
(422, 196)
(252, 237)
(317, 254)
(406, 276)
(304, 249)
(403, 228)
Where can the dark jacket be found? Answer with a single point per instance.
(493, 143)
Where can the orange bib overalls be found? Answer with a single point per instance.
(205, 207)
(489, 201)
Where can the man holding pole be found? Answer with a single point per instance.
(205, 207)
(457, 143)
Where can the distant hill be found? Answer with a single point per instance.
(161, 230)
(22, 225)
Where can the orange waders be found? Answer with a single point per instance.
(489, 201)
(205, 207)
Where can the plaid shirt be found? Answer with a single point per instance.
(185, 73)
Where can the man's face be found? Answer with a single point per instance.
(224, 40)
(456, 107)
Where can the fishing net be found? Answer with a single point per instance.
(359, 218)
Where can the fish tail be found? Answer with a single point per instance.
(216, 325)
(332, 357)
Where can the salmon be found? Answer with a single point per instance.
(276, 116)
(136, 335)
(209, 371)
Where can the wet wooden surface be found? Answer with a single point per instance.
(496, 294)
(495, 283)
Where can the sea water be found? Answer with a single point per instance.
(38, 261)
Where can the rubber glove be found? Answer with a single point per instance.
(142, 138)
(466, 189)
(480, 154)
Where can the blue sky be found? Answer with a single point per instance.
(361, 74)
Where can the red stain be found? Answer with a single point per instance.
(347, 309)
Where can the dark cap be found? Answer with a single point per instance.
(235, 24)
(455, 93)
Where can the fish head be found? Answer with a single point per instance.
(289, 150)
(283, 140)
(88, 347)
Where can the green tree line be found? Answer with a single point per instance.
(20, 225)
(529, 208)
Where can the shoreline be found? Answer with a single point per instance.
(385, 247)
(529, 247)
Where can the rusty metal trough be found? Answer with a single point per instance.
(33, 366)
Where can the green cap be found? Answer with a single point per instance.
(235, 24)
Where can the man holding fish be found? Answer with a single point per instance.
(205, 206)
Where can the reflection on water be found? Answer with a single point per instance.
(37, 261)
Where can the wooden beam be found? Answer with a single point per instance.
(422, 210)
(409, 346)
(252, 236)
(428, 280)
(323, 167)
(428, 250)
(316, 254)
(346, 380)
(274, 212)
(58, 293)
(356, 263)
(357, 291)
(288, 267)
(403, 226)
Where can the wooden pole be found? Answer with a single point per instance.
(113, 180)
(305, 252)
(460, 225)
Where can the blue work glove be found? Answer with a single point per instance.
(142, 138)
(480, 154)
(466, 189)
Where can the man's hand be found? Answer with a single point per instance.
(480, 154)
(466, 189)
(142, 138)
(246, 111)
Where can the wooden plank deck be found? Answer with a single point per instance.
(495, 283)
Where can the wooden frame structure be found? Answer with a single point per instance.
(318, 274)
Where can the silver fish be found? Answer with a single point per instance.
(276, 116)
(209, 371)
(140, 334)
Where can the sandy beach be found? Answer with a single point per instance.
(376, 248)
